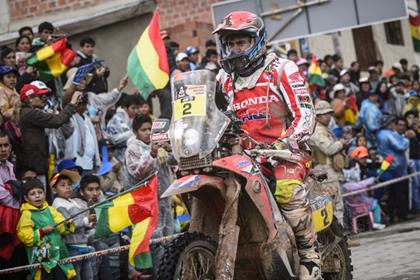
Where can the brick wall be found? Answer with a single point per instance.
(19, 9)
(188, 21)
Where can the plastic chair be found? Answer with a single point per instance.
(357, 211)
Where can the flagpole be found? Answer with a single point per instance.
(136, 186)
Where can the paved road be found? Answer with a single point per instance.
(390, 254)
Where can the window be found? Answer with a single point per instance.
(393, 32)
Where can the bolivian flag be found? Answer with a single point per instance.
(386, 163)
(315, 74)
(415, 31)
(126, 210)
(147, 64)
(51, 61)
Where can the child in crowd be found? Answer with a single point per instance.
(141, 159)
(38, 231)
(61, 185)
(119, 128)
(106, 267)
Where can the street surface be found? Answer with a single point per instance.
(389, 254)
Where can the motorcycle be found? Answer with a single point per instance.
(236, 230)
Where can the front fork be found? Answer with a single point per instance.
(228, 232)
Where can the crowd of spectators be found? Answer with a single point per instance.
(57, 136)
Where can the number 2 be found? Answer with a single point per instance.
(186, 109)
(324, 214)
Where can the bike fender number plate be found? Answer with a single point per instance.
(322, 217)
(190, 101)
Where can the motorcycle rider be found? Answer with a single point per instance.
(270, 96)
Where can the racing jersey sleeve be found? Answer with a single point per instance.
(295, 92)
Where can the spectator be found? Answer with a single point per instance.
(23, 46)
(8, 57)
(37, 231)
(182, 64)
(171, 49)
(329, 61)
(77, 241)
(210, 45)
(354, 72)
(119, 128)
(9, 99)
(112, 178)
(412, 102)
(210, 61)
(413, 135)
(293, 55)
(141, 159)
(87, 51)
(379, 65)
(192, 54)
(364, 91)
(391, 141)
(338, 104)
(33, 123)
(351, 88)
(404, 66)
(398, 98)
(26, 31)
(45, 31)
(374, 77)
(82, 145)
(370, 117)
(384, 97)
(7, 172)
(337, 67)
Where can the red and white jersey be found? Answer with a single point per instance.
(274, 102)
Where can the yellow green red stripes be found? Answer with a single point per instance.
(147, 64)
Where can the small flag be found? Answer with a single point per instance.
(139, 252)
(415, 31)
(386, 163)
(315, 74)
(147, 64)
(126, 210)
(51, 61)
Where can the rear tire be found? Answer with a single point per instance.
(191, 254)
(341, 252)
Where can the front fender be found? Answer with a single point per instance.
(191, 183)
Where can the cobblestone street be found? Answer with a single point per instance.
(390, 254)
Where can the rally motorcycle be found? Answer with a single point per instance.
(236, 229)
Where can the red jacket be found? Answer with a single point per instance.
(274, 102)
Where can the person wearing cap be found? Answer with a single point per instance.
(390, 142)
(33, 121)
(76, 242)
(170, 51)
(413, 102)
(327, 155)
(9, 99)
(192, 53)
(182, 64)
(374, 77)
(370, 117)
(362, 94)
(345, 77)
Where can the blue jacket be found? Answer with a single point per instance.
(370, 117)
(391, 142)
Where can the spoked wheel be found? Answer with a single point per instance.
(339, 256)
(189, 257)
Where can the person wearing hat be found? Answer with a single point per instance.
(362, 94)
(413, 102)
(374, 77)
(327, 155)
(33, 121)
(192, 53)
(345, 79)
(370, 117)
(9, 99)
(390, 142)
(182, 64)
(338, 103)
